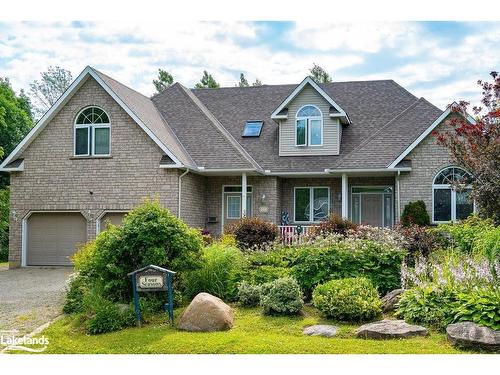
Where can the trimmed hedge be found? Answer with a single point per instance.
(415, 213)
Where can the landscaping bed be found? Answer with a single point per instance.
(253, 333)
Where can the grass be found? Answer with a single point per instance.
(252, 333)
(4, 264)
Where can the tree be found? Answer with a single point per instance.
(243, 81)
(15, 121)
(319, 75)
(257, 82)
(476, 147)
(207, 82)
(52, 85)
(165, 79)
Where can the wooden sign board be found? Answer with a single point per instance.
(151, 281)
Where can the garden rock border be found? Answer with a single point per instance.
(324, 330)
(390, 329)
(470, 335)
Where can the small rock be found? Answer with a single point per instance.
(390, 329)
(390, 300)
(206, 313)
(321, 330)
(469, 335)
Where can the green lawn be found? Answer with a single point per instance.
(252, 333)
(4, 264)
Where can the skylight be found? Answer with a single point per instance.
(252, 128)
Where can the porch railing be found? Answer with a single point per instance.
(289, 235)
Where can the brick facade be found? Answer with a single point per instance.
(427, 159)
(54, 180)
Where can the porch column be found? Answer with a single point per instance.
(345, 197)
(398, 200)
(243, 194)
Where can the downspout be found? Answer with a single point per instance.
(180, 192)
(398, 198)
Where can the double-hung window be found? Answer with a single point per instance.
(311, 204)
(309, 126)
(92, 133)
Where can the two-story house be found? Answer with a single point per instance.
(361, 150)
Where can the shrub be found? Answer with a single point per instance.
(418, 240)
(353, 299)
(379, 262)
(102, 315)
(248, 294)
(415, 213)
(4, 225)
(333, 224)
(265, 274)
(221, 270)
(464, 234)
(281, 296)
(480, 305)
(428, 305)
(75, 294)
(228, 240)
(488, 244)
(253, 232)
(150, 234)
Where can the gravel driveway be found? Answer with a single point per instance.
(30, 297)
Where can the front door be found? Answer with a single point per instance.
(372, 206)
(231, 204)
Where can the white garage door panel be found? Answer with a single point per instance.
(53, 237)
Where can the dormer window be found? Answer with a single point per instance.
(309, 126)
(92, 133)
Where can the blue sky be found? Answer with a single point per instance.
(440, 61)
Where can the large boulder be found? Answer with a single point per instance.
(390, 329)
(469, 335)
(390, 300)
(206, 313)
(320, 330)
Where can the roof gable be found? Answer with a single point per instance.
(125, 101)
(337, 111)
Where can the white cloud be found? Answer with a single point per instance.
(368, 37)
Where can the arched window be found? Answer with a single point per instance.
(92, 133)
(309, 126)
(450, 203)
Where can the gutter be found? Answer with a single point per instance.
(180, 193)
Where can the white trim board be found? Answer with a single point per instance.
(427, 131)
(308, 80)
(63, 99)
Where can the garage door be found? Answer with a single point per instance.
(115, 218)
(53, 237)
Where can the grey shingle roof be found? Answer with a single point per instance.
(371, 106)
(144, 108)
(205, 143)
(203, 127)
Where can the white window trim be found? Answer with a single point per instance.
(224, 204)
(453, 216)
(311, 199)
(308, 122)
(383, 203)
(91, 135)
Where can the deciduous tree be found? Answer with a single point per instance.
(476, 147)
(44, 93)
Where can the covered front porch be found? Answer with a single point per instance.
(288, 201)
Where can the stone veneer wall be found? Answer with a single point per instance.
(54, 180)
(427, 159)
(261, 185)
